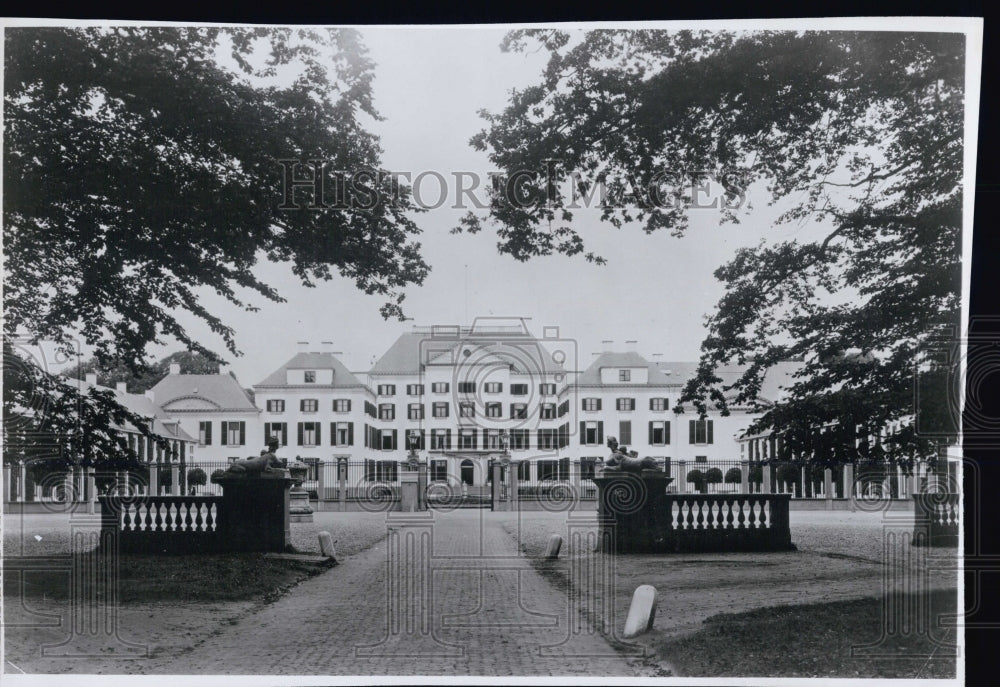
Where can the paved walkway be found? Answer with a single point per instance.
(444, 594)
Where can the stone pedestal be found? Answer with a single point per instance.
(255, 514)
(409, 481)
(299, 509)
(632, 510)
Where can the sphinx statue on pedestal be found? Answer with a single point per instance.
(267, 463)
(627, 461)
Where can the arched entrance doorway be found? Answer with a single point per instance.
(467, 471)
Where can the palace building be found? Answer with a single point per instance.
(459, 397)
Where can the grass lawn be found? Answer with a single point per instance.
(195, 577)
(816, 640)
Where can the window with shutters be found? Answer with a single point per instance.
(414, 389)
(440, 409)
(309, 434)
(524, 471)
(547, 389)
(494, 387)
(440, 439)
(440, 387)
(310, 376)
(387, 439)
(624, 375)
(341, 433)
(415, 411)
(548, 411)
(342, 405)
(625, 432)
(546, 439)
(547, 470)
(518, 389)
(386, 411)
(466, 409)
(439, 470)
(591, 404)
(466, 387)
(625, 404)
(700, 432)
(381, 470)
(467, 438)
(494, 410)
(518, 411)
(659, 433)
(204, 434)
(309, 405)
(386, 389)
(701, 459)
(519, 439)
(234, 433)
(276, 405)
(564, 408)
(491, 438)
(592, 433)
(278, 430)
(658, 404)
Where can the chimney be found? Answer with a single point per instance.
(303, 346)
(326, 346)
(120, 386)
(631, 345)
(607, 345)
(92, 378)
(175, 368)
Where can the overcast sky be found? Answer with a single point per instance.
(429, 85)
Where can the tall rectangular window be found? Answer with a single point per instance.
(494, 410)
(310, 376)
(309, 434)
(386, 389)
(494, 387)
(278, 430)
(342, 405)
(439, 470)
(204, 433)
(342, 433)
(659, 433)
(548, 411)
(276, 405)
(414, 389)
(309, 405)
(518, 411)
(625, 432)
(415, 411)
(591, 404)
(440, 387)
(387, 439)
(658, 404)
(518, 389)
(519, 439)
(624, 375)
(547, 389)
(467, 438)
(234, 433)
(700, 432)
(440, 439)
(386, 411)
(466, 387)
(440, 409)
(466, 409)
(625, 404)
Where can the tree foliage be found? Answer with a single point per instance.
(191, 363)
(856, 136)
(141, 172)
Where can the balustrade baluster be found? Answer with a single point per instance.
(701, 516)
(126, 517)
(198, 520)
(730, 517)
(765, 512)
(210, 518)
(148, 520)
(188, 520)
(741, 518)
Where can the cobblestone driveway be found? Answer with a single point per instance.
(444, 594)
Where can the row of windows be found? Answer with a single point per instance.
(387, 411)
(309, 405)
(466, 388)
(593, 404)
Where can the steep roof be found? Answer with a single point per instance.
(141, 405)
(342, 377)
(657, 376)
(527, 354)
(221, 390)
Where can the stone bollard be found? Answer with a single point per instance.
(641, 612)
(326, 546)
(552, 550)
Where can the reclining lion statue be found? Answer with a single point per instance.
(266, 462)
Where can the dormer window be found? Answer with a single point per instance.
(624, 375)
(310, 376)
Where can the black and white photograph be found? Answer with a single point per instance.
(577, 353)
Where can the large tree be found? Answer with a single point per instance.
(859, 135)
(142, 169)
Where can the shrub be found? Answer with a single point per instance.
(197, 477)
(733, 476)
(695, 476)
(216, 474)
(713, 475)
